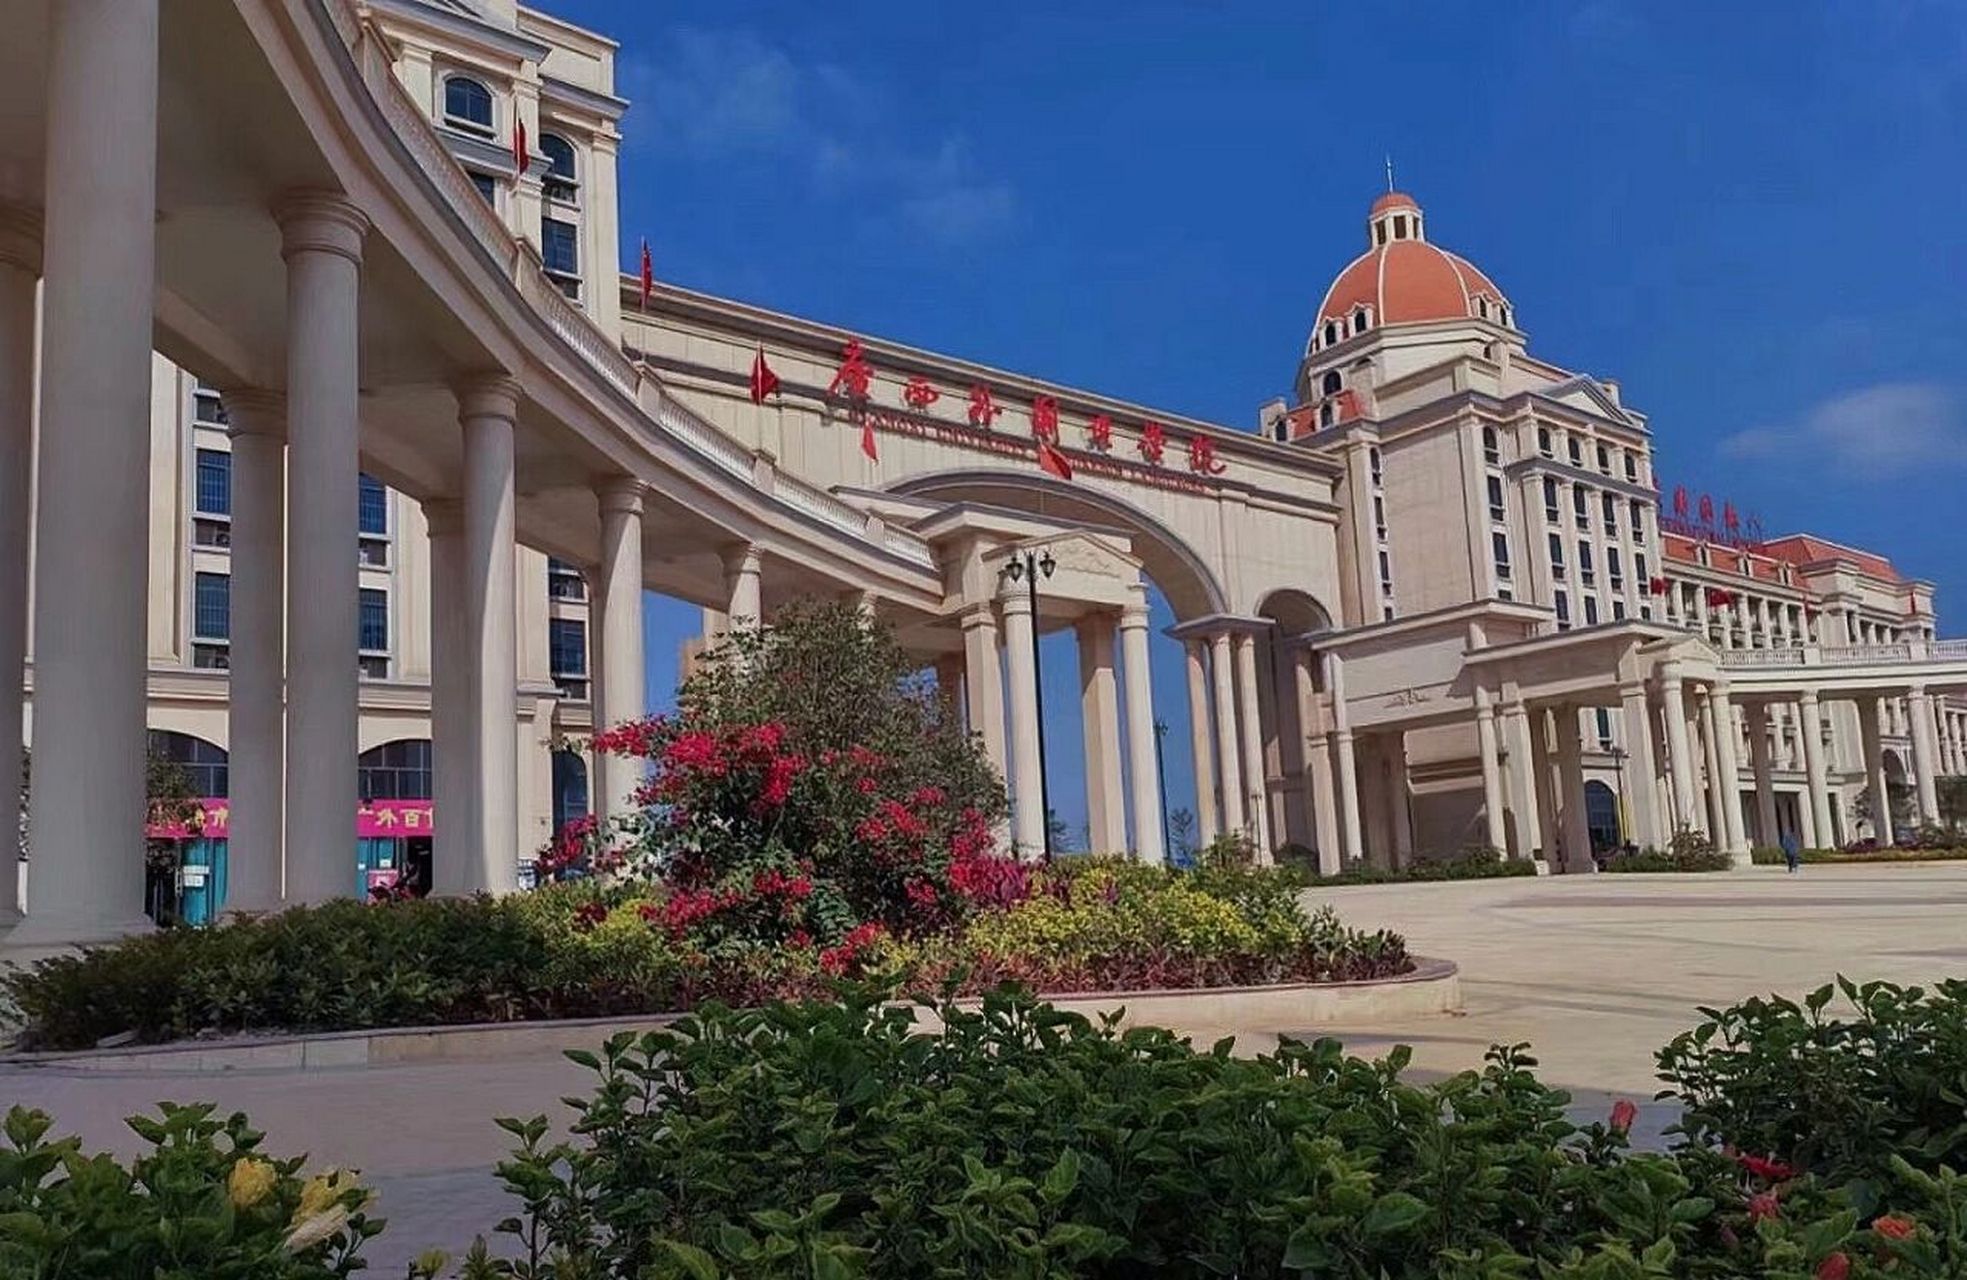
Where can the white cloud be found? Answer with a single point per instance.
(1885, 432)
(720, 93)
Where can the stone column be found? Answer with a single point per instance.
(92, 520)
(1729, 779)
(1141, 762)
(1319, 796)
(1522, 781)
(984, 683)
(1206, 824)
(1345, 766)
(1399, 797)
(1811, 728)
(744, 580)
(1760, 764)
(1099, 706)
(1871, 711)
(622, 695)
(453, 710)
(1642, 815)
(1227, 749)
(1549, 794)
(1256, 807)
(1717, 822)
(321, 240)
(20, 267)
(256, 700)
(1571, 792)
(1680, 750)
(486, 409)
(1492, 778)
(1924, 755)
(1028, 816)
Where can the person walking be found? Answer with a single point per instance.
(1792, 852)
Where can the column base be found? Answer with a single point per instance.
(49, 934)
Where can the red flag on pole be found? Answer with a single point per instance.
(521, 158)
(867, 438)
(763, 381)
(1051, 459)
(648, 274)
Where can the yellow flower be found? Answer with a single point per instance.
(250, 1182)
(317, 1194)
(315, 1229)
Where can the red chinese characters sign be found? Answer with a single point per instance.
(375, 820)
(1697, 517)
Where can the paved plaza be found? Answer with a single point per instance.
(1596, 971)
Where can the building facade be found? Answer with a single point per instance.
(399, 398)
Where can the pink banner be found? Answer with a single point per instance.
(375, 820)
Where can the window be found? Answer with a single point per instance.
(1386, 569)
(1591, 611)
(399, 770)
(1499, 541)
(1618, 609)
(1400, 226)
(1577, 449)
(1550, 499)
(1604, 460)
(1497, 511)
(1604, 725)
(1632, 467)
(204, 763)
(1330, 383)
(1359, 320)
(214, 496)
(1612, 566)
(1636, 510)
(211, 607)
(468, 103)
(1379, 233)
(1581, 505)
(206, 407)
(561, 182)
(373, 634)
(1379, 516)
(1557, 556)
(569, 788)
(564, 581)
(1491, 450)
(1332, 334)
(1563, 605)
(1584, 562)
(1543, 443)
(487, 185)
(1611, 514)
(567, 654)
(372, 506)
(560, 251)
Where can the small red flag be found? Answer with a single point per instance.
(867, 440)
(1051, 459)
(648, 274)
(521, 158)
(763, 381)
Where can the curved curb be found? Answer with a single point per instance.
(1434, 986)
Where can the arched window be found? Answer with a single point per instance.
(469, 103)
(1331, 383)
(399, 770)
(1359, 320)
(569, 788)
(562, 181)
(204, 763)
(1332, 333)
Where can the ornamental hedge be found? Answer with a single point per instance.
(843, 1138)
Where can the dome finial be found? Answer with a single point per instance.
(1389, 173)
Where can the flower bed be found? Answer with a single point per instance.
(841, 1139)
(1687, 851)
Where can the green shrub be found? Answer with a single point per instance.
(1687, 851)
(1838, 1096)
(1475, 862)
(1766, 857)
(202, 1202)
(844, 1140)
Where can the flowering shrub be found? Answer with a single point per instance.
(202, 1202)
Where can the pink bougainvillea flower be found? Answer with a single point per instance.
(1764, 1204)
(1766, 1168)
(1895, 1228)
(1835, 1267)
(1623, 1114)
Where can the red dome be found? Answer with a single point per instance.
(1403, 279)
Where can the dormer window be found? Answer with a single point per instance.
(467, 104)
(1400, 226)
(1482, 307)
(1359, 320)
(1332, 332)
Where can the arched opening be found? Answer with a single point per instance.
(1602, 817)
(570, 794)
(394, 827)
(1331, 383)
(1293, 615)
(468, 102)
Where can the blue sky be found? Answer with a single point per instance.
(1750, 214)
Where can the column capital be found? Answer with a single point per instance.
(1133, 614)
(445, 516)
(1015, 600)
(1915, 691)
(1632, 688)
(1807, 697)
(620, 495)
(313, 221)
(1670, 672)
(254, 411)
(20, 238)
(487, 395)
(742, 557)
(978, 613)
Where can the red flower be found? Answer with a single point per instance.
(1766, 1168)
(1763, 1204)
(1835, 1267)
(588, 915)
(799, 940)
(1623, 1114)
(1894, 1228)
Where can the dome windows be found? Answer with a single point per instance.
(1360, 319)
(1332, 332)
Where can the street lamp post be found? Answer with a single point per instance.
(1026, 568)
(1618, 754)
(1161, 783)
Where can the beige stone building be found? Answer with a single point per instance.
(399, 397)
